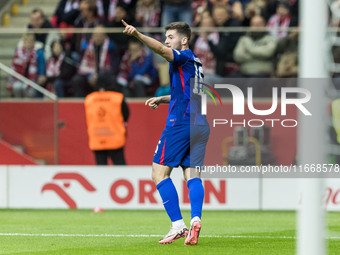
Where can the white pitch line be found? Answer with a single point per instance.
(112, 235)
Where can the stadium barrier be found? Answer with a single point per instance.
(127, 187)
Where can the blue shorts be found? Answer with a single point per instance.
(182, 145)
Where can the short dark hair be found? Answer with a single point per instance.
(40, 11)
(92, 7)
(55, 42)
(181, 28)
(285, 5)
(105, 80)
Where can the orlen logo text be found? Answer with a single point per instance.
(141, 191)
(239, 106)
(146, 190)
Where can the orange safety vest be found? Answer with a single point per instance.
(105, 121)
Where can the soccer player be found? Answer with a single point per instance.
(185, 136)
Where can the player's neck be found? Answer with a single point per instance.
(185, 47)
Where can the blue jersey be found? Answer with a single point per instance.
(183, 110)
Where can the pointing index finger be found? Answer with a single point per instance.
(124, 23)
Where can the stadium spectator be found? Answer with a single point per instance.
(255, 8)
(237, 9)
(88, 18)
(29, 61)
(281, 20)
(174, 10)
(201, 47)
(120, 39)
(293, 6)
(66, 13)
(65, 16)
(223, 49)
(53, 65)
(197, 7)
(99, 56)
(234, 6)
(148, 14)
(255, 52)
(107, 9)
(106, 117)
(287, 50)
(38, 21)
(137, 74)
(68, 68)
(60, 69)
(52, 37)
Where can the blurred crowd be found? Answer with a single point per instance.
(69, 64)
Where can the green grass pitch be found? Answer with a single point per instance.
(138, 232)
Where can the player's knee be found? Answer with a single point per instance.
(158, 176)
(155, 179)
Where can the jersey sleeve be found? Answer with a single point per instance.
(181, 57)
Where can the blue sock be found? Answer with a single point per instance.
(196, 195)
(169, 196)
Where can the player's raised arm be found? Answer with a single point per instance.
(151, 43)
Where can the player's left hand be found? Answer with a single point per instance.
(129, 30)
(153, 102)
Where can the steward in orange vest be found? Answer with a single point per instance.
(106, 115)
